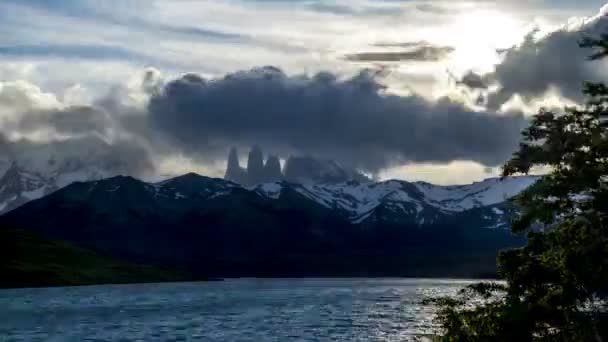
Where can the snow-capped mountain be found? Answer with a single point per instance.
(281, 228)
(19, 185)
(484, 204)
(423, 201)
(359, 202)
(29, 171)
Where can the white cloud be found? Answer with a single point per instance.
(20, 96)
(544, 68)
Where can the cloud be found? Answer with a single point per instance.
(431, 8)
(20, 96)
(130, 33)
(385, 9)
(350, 120)
(419, 52)
(473, 80)
(82, 51)
(413, 44)
(539, 65)
(124, 13)
(68, 121)
(78, 154)
(44, 134)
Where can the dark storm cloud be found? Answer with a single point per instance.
(72, 120)
(124, 157)
(473, 80)
(538, 65)
(350, 120)
(418, 53)
(87, 143)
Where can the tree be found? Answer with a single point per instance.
(557, 285)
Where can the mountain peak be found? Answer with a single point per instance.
(192, 175)
(272, 169)
(187, 177)
(121, 178)
(299, 169)
(234, 172)
(306, 169)
(17, 186)
(200, 223)
(255, 166)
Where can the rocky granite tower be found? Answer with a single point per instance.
(255, 166)
(297, 170)
(272, 169)
(234, 172)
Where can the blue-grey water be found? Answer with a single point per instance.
(232, 310)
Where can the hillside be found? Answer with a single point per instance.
(30, 260)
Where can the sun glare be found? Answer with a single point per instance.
(478, 34)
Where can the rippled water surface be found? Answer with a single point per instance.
(232, 310)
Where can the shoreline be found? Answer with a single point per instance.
(212, 279)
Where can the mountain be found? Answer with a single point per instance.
(29, 260)
(19, 186)
(312, 170)
(422, 203)
(272, 170)
(234, 171)
(219, 228)
(298, 169)
(29, 171)
(255, 165)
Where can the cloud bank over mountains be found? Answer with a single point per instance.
(351, 118)
(43, 132)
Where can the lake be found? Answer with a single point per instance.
(231, 310)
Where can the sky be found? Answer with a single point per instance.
(430, 90)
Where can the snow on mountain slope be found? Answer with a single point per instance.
(191, 185)
(480, 194)
(271, 190)
(359, 200)
(31, 170)
(19, 185)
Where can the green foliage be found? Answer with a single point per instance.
(557, 285)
